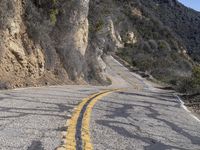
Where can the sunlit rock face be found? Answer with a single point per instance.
(72, 30)
(43, 42)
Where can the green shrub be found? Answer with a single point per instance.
(191, 85)
(163, 45)
(196, 72)
(153, 44)
(53, 12)
(53, 16)
(196, 78)
(99, 25)
(185, 85)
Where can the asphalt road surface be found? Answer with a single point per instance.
(131, 114)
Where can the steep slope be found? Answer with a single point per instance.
(185, 22)
(43, 42)
(132, 31)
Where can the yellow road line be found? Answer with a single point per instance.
(71, 131)
(85, 130)
(87, 145)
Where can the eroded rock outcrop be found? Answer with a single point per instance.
(73, 36)
(43, 42)
(20, 57)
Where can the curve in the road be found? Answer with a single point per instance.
(78, 132)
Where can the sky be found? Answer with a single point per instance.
(195, 4)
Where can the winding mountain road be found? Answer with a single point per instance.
(131, 114)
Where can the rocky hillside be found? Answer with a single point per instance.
(45, 42)
(184, 22)
(59, 42)
(140, 37)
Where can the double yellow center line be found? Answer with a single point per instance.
(78, 131)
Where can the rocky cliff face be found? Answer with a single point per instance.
(57, 42)
(20, 56)
(43, 42)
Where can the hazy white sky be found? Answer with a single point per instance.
(195, 4)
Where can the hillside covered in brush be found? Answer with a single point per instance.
(61, 42)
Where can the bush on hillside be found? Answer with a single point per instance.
(191, 85)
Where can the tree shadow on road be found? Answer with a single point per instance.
(116, 108)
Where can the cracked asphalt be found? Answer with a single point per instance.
(140, 117)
